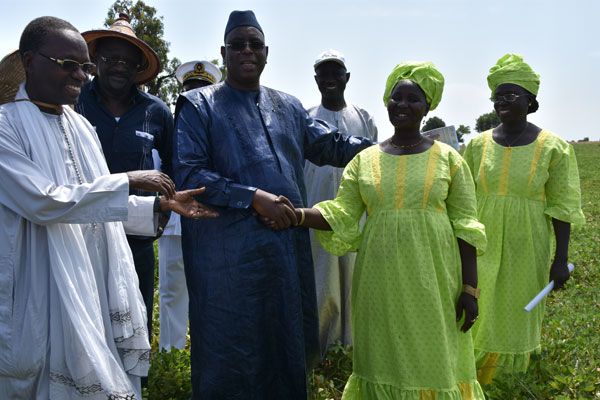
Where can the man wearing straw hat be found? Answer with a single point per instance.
(130, 123)
(72, 321)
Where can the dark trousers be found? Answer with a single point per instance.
(143, 257)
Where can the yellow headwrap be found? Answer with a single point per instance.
(512, 69)
(424, 74)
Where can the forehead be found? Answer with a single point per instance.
(406, 87)
(245, 33)
(65, 44)
(329, 66)
(510, 88)
(117, 46)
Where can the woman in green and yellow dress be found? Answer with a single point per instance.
(527, 188)
(415, 252)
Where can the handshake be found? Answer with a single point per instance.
(182, 203)
(276, 212)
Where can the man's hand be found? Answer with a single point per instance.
(151, 181)
(184, 204)
(559, 273)
(276, 214)
(468, 304)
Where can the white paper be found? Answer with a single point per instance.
(544, 293)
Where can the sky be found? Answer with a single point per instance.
(463, 38)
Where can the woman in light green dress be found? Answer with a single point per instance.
(527, 187)
(415, 252)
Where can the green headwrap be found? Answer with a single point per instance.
(512, 69)
(424, 74)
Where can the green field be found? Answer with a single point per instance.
(569, 365)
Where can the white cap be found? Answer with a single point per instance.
(202, 70)
(330, 55)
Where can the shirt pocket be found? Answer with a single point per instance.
(134, 152)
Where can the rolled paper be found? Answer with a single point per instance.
(544, 293)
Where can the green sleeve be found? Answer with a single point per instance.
(563, 195)
(461, 205)
(343, 214)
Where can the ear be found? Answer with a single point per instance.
(223, 53)
(27, 61)
(266, 53)
(317, 82)
(347, 77)
(426, 110)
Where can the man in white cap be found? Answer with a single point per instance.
(174, 300)
(72, 320)
(130, 123)
(196, 74)
(333, 275)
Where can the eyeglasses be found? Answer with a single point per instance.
(509, 98)
(239, 46)
(71, 65)
(112, 61)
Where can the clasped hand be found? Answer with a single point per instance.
(276, 212)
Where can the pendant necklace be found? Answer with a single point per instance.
(401, 146)
(515, 140)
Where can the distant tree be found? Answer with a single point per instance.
(487, 121)
(149, 28)
(433, 123)
(461, 131)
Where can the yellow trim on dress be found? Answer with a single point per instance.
(486, 372)
(455, 168)
(427, 394)
(466, 390)
(400, 183)
(486, 141)
(376, 170)
(539, 145)
(434, 155)
(504, 172)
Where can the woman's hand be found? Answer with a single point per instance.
(184, 204)
(468, 303)
(559, 273)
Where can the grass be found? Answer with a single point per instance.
(567, 368)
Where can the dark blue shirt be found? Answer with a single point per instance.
(127, 144)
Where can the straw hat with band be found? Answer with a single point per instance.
(150, 64)
(12, 74)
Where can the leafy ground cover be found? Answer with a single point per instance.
(567, 368)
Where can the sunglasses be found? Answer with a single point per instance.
(111, 61)
(71, 65)
(239, 46)
(509, 98)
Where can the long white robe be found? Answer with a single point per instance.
(333, 275)
(72, 320)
